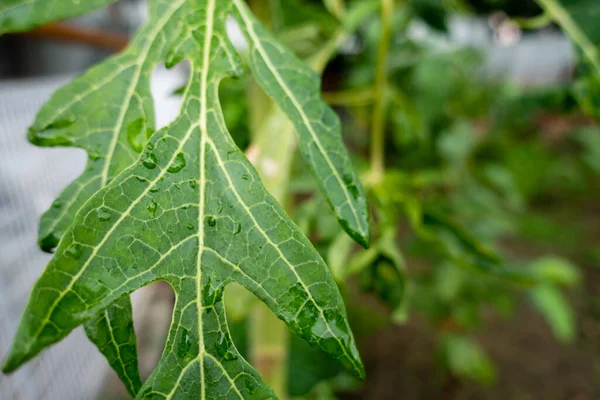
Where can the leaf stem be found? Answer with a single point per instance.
(350, 98)
(336, 7)
(381, 83)
(537, 22)
(562, 17)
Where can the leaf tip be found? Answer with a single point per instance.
(362, 237)
(11, 363)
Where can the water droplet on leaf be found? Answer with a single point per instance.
(104, 215)
(149, 161)
(153, 207)
(223, 348)
(211, 221)
(74, 251)
(178, 164)
(136, 134)
(185, 343)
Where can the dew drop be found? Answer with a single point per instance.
(153, 207)
(136, 134)
(149, 161)
(351, 185)
(178, 164)
(74, 251)
(184, 344)
(245, 177)
(238, 228)
(193, 184)
(353, 189)
(347, 179)
(57, 204)
(223, 348)
(150, 146)
(211, 221)
(190, 227)
(104, 215)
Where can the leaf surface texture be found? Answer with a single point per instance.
(190, 209)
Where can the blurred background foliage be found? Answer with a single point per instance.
(487, 216)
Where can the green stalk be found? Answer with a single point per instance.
(381, 84)
(562, 17)
(336, 8)
(272, 152)
(350, 98)
(538, 22)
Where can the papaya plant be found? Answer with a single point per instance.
(203, 210)
(183, 204)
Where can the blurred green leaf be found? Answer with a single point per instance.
(432, 12)
(467, 359)
(550, 302)
(337, 256)
(449, 281)
(307, 367)
(556, 270)
(590, 141)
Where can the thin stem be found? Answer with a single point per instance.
(562, 17)
(537, 22)
(381, 83)
(350, 98)
(336, 8)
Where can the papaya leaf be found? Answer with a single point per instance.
(21, 15)
(555, 308)
(158, 220)
(120, 87)
(113, 333)
(295, 87)
(109, 113)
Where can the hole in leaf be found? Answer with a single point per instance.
(233, 96)
(239, 302)
(167, 87)
(152, 312)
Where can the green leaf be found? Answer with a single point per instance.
(21, 15)
(113, 333)
(467, 359)
(337, 256)
(550, 302)
(295, 88)
(191, 211)
(556, 270)
(432, 12)
(109, 113)
(307, 367)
